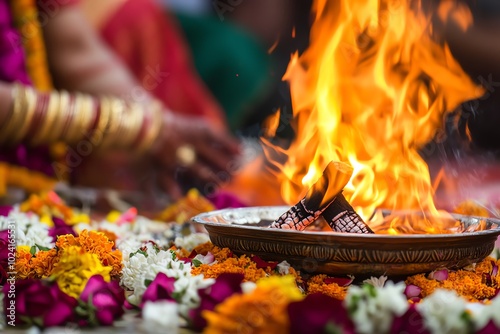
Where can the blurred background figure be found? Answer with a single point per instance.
(108, 131)
(239, 49)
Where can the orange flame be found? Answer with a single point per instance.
(371, 90)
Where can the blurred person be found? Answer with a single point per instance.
(134, 125)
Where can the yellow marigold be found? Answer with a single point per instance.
(261, 311)
(317, 284)
(95, 243)
(74, 269)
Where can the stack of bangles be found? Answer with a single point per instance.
(38, 119)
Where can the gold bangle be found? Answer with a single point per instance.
(135, 124)
(116, 108)
(53, 112)
(103, 121)
(61, 117)
(154, 127)
(28, 112)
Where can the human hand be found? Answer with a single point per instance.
(193, 148)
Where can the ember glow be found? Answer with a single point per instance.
(371, 90)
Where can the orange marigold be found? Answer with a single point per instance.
(95, 243)
(317, 284)
(234, 265)
(471, 285)
(38, 266)
(23, 264)
(261, 311)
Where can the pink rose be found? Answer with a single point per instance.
(105, 300)
(38, 302)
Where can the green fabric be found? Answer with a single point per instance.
(233, 65)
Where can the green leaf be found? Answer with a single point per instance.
(181, 266)
(147, 282)
(177, 296)
(370, 289)
(82, 312)
(174, 256)
(196, 263)
(33, 250)
(42, 248)
(331, 328)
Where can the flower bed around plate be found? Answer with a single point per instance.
(70, 269)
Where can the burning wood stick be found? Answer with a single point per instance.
(318, 198)
(341, 217)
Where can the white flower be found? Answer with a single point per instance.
(186, 288)
(160, 317)
(376, 282)
(30, 231)
(482, 314)
(248, 287)
(443, 312)
(374, 308)
(204, 259)
(284, 268)
(191, 241)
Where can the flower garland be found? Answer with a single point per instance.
(25, 17)
(172, 280)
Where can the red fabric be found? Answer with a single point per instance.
(151, 45)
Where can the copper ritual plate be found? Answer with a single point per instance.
(245, 231)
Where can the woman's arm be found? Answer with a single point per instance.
(80, 61)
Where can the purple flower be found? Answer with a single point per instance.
(60, 228)
(39, 302)
(106, 299)
(225, 285)
(161, 288)
(318, 313)
(411, 322)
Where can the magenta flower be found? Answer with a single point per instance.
(223, 200)
(319, 313)
(225, 285)
(5, 210)
(60, 228)
(105, 300)
(261, 264)
(411, 322)
(161, 288)
(4, 254)
(490, 328)
(37, 302)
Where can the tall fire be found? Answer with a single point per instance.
(371, 90)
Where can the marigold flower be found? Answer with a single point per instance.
(24, 268)
(95, 243)
(43, 263)
(468, 284)
(262, 311)
(317, 284)
(75, 267)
